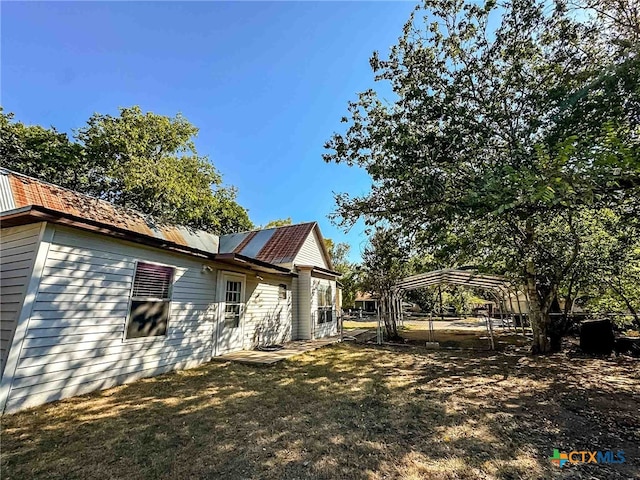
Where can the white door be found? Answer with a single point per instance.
(230, 322)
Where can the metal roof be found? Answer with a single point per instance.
(455, 277)
(27, 197)
(230, 241)
(277, 245)
(257, 243)
(17, 191)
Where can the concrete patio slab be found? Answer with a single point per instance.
(358, 335)
(261, 357)
(354, 332)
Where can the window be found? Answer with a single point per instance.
(233, 304)
(325, 304)
(282, 291)
(150, 299)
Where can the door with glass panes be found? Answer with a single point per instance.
(231, 303)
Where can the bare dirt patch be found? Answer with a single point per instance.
(476, 340)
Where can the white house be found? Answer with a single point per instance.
(92, 295)
(301, 250)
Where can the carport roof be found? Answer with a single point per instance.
(451, 276)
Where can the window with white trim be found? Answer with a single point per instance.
(150, 301)
(325, 304)
(233, 304)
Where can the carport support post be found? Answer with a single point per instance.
(497, 298)
(520, 313)
(379, 332)
(511, 310)
(493, 346)
(503, 307)
(440, 297)
(526, 296)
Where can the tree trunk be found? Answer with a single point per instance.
(539, 318)
(389, 314)
(568, 299)
(538, 310)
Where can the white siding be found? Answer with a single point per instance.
(267, 319)
(303, 320)
(295, 310)
(311, 252)
(18, 247)
(322, 329)
(74, 339)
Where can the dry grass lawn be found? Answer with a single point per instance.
(344, 411)
(351, 324)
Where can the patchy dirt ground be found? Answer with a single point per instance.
(347, 411)
(456, 334)
(457, 339)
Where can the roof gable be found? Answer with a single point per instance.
(313, 251)
(273, 245)
(279, 245)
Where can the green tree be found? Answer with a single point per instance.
(499, 137)
(339, 254)
(152, 165)
(606, 276)
(281, 222)
(384, 262)
(350, 279)
(138, 160)
(42, 152)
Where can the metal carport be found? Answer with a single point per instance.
(500, 287)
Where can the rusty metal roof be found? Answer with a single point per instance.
(277, 245)
(266, 248)
(17, 191)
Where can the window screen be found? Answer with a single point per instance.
(325, 304)
(150, 299)
(233, 304)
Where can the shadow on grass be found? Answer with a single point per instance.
(340, 412)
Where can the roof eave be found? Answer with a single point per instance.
(320, 270)
(255, 264)
(36, 213)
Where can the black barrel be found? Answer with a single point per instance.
(596, 336)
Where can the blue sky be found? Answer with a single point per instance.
(265, 82)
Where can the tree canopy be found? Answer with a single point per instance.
(280, 222)
(350, 279)
(42, 153)
(384, 262)
(512, 122)
(138, 160)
